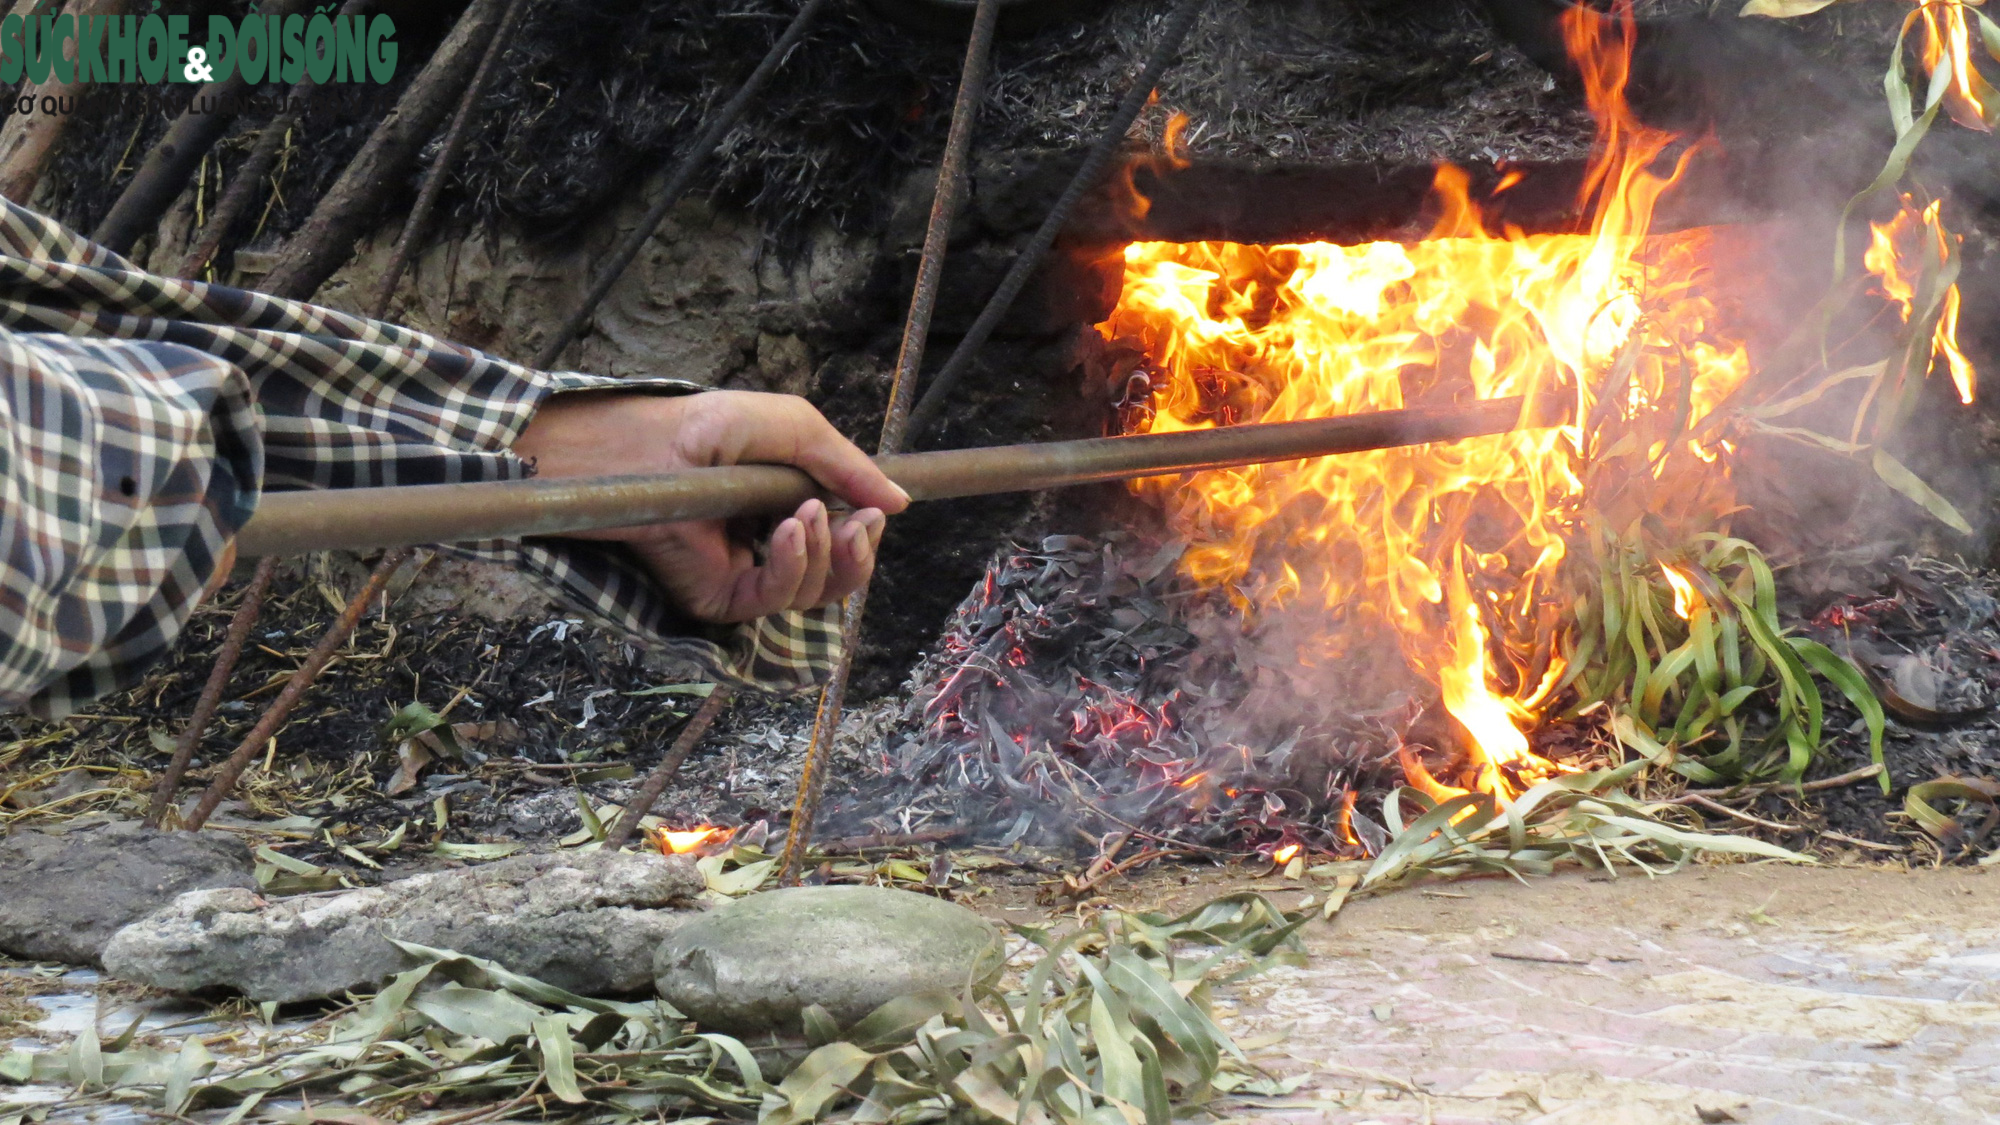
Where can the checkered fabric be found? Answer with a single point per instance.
(144, 414)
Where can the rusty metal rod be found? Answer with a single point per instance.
(364, 519)
(954, 181)
(294, 690)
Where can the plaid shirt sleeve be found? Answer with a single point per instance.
(144, 414)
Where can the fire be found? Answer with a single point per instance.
(1455, 552)
(1895, 252)
(1286, 854)
(681, 843)
(1684, 595)
(1947, 52)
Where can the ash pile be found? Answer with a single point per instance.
(1087, 684)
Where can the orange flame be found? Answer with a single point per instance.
(1286, 854)
(1454, 551)
(1684, 595)
(1895, 253)
(1947, 52)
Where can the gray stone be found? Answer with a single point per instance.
(587, 922)
(62, 896)
(757, 963)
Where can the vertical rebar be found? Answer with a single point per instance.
(240, 625)
(295, 688)
(641, 806)
(1030, 256)
(678, 183)
(455, 138)
(952, 179)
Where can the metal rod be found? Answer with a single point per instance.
(641, 806)
(945, 203)
(295, 689)
(240, 624)
(417, 227)
(373, 518)
(678, 183)
(1029, 258)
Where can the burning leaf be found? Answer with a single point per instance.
(1784, 9)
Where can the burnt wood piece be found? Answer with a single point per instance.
(167, 168)
(243, 187)
(351, 207)
(28, 139)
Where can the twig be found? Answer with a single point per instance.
(1536, 958)
(295, 688)
(952, 182)
(678, 183)
(663, 775)
(1844, 838)
(1725, 810)
(1091, 882)
(417, 227)
(1029, 258)
(211, 692)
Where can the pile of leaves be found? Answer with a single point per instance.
(1110, 1022)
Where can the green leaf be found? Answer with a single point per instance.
(486, 1014)
(815, 1085)
(558, 1058)
(1898, 476)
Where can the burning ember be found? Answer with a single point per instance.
(1461, 555)
(692, 840)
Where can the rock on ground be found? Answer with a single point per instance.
(63, 896)
(757, 963)
(587, 922)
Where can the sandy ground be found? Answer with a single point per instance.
(1752, 994)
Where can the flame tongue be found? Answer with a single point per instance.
(1453, 553)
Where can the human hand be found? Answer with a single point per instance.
(813, 558)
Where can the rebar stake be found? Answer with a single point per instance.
(641, 807)
(295, 688)
(678, 183)
(455, 138)
(916, 331)
(1030, 256)
(240, 625)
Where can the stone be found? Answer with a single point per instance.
(63, 896)
(757, 963)
(587, 922)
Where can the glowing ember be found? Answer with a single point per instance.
(1454, 551)
(681, 843)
